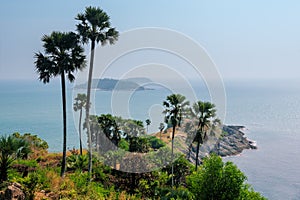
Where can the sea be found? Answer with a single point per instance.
(269, 110)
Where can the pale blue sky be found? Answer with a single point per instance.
(247, 39)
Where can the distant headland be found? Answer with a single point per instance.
(129, 84)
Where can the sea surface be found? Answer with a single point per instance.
(269, 110)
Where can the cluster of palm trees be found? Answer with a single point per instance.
(63, 55)
(177, 108)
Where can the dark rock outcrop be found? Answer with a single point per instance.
(13, 192)
(231, 141)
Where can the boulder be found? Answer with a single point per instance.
(14, 192)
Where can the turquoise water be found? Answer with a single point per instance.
(270, 111)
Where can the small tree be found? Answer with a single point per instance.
(80, 103)
(11, 148)
(161, 128)
(148, 122)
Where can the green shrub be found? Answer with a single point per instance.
(75, 162)
(180, 193)
(218, 180)
(139, 144)
(80, 180)
(26, 163)
(123, 144)
(100, 172)
(247, 193)
(182, 168)
(155, 143)
(30, 184)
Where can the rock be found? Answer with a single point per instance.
(230, 144)
(14, 192)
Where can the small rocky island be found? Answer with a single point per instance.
(110, 84)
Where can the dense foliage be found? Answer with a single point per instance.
(213, 180)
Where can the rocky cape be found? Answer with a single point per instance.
(231, 141)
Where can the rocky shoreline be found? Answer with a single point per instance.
(235, 142)
(232, 142)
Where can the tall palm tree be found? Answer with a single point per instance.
(148, 122)
(80, 103)
(95, 27)
(175, 106)
(63, 56)
(205, 113)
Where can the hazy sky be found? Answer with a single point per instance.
(248, 39)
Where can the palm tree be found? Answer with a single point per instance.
(205, 113)
(175, 105)
(63, 55)
(161, 128)
(80, 103)
(148, 122)
(10, 149)
(94, 26)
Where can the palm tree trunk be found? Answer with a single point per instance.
(97, 142)
(160, 135)
(88, 106)
(80, 140)
(63, 90)
(172, 159)
(197, 153)
(190, 151)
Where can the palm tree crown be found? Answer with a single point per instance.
(80, 102)
(95, 26)
(175, 107)
(63, 54)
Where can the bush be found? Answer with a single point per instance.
(30, 182)
(100, 172)
(216, 180)
(77, 162)
(123, 144)
(139, 144)
(179, 193)
(182, 168)
(248, 193)
(156, 143)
